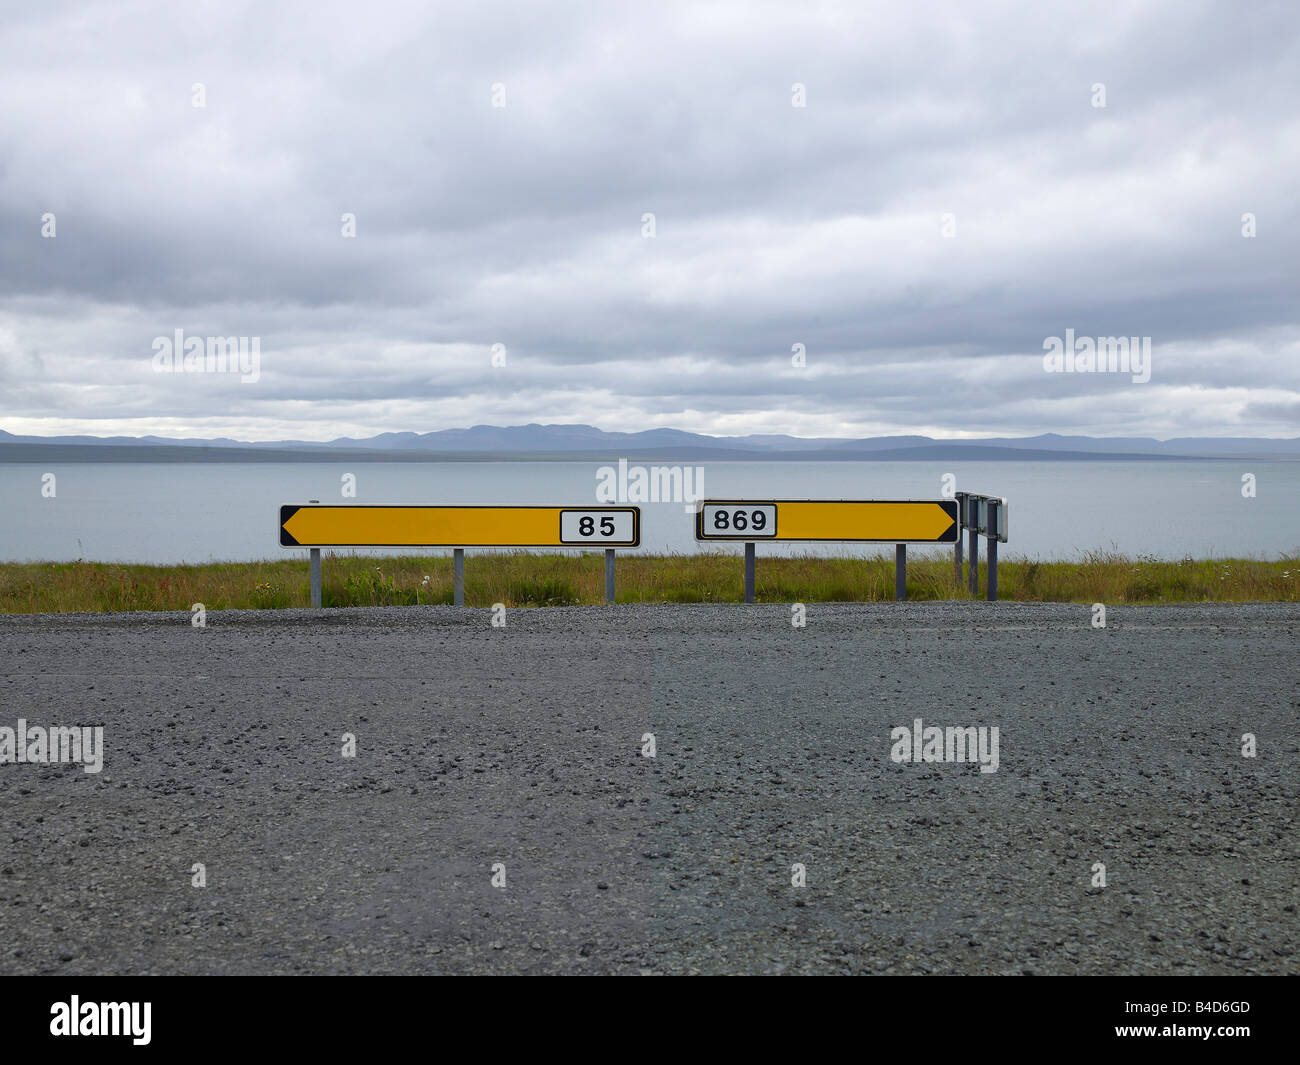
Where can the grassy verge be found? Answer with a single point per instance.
(563, 580)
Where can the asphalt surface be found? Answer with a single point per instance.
(522, 746)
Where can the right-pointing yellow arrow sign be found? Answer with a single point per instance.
(862, 521)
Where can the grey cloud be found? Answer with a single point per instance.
(775, 225)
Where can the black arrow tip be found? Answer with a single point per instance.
(287, 512)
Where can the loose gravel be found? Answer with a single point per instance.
(519, 749)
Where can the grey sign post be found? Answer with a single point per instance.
(972, 528)
(993, 528)
(993, 551)
(749, 572)
(609, 575)
(458, 576)
(983, 516)
(900, 572)
(315, 576)
(956, 544)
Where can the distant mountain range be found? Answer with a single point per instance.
(491, 442)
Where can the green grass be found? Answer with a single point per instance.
(522, 579)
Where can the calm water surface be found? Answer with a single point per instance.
(167, 513)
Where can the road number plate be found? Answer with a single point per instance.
(753, 522)
(598, 527)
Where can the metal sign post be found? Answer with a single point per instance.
(956, 544)
(993, 551)
(973, 547)
(983, 516)
(315, 576)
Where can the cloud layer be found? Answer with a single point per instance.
(948, 198)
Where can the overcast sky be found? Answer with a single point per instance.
(774, 224)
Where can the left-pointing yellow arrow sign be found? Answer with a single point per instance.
(415, 526)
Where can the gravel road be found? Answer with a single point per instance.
(523, 745)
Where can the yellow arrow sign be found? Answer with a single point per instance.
(862, 521)
(367, 526)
